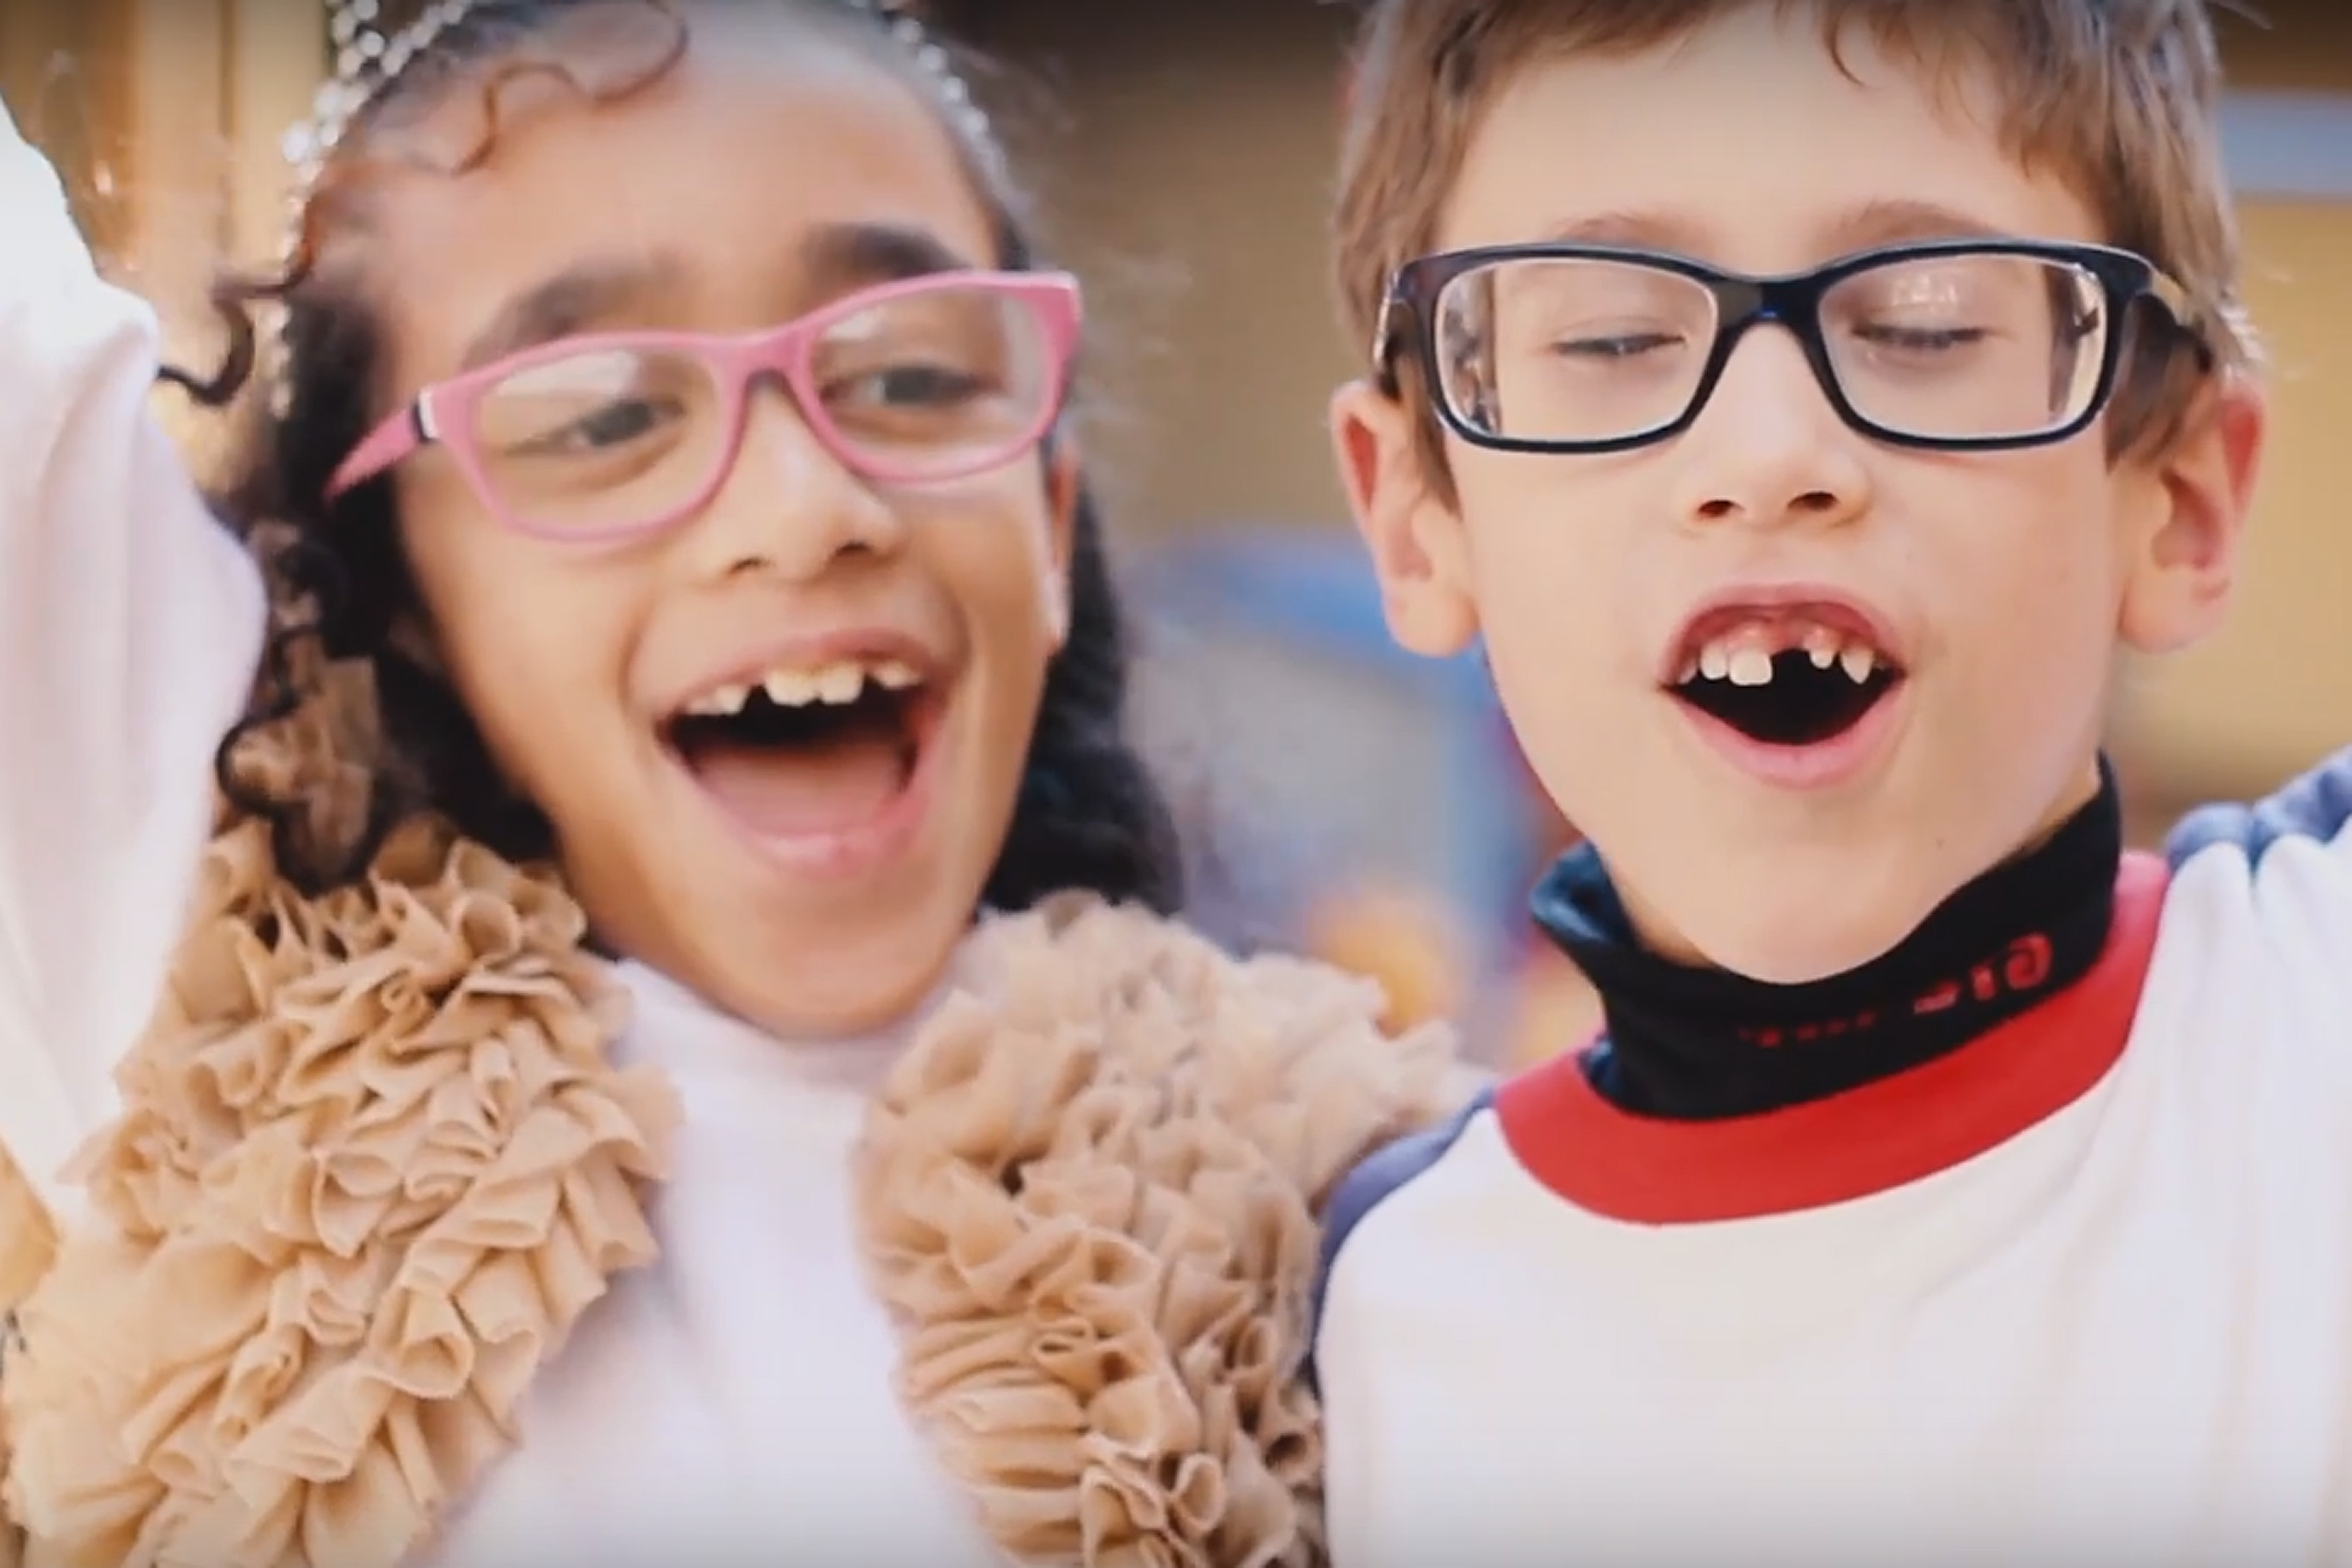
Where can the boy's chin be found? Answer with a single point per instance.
(1795, 934)
(1773, 959)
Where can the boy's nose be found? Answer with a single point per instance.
(1770, 447)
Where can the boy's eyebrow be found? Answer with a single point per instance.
(1886, 221)
(1898, 221)
(1654, 229)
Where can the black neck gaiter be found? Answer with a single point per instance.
(1690, 1044)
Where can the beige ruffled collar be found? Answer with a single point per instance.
(377, 1156)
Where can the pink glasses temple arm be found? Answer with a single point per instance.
(392, 441)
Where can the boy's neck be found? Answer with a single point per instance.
(1698, 1044)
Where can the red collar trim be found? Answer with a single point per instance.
(1884, 1134)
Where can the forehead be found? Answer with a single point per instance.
(715, 178)
(1749, 144)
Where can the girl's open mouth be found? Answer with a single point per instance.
(809, 751)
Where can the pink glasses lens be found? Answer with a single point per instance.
(618, 435)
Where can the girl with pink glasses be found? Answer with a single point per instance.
(677, 1047)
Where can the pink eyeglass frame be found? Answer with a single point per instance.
(442, 413)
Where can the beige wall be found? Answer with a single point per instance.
(210, 88)
(65, 74)
(2304, 44)
(2273, 691)
(1187, 151)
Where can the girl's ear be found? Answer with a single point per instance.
(413, 640)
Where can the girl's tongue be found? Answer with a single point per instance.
(794, 774)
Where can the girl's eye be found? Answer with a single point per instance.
(615, 423)
(907, 386)
(618, 422)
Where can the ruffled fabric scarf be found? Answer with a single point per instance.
(375, 1162)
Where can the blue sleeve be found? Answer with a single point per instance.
(1361, 1190)
(2318, 806)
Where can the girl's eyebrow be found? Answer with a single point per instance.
(556, 307)
(835, 259)
(840, 258)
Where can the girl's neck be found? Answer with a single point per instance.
(1700, 1045)
(856, 1061)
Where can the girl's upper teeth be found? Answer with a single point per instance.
(1744, 656)
(837, 683)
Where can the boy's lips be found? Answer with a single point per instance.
(1824, 765)
(1774, 617)
(1796, 685)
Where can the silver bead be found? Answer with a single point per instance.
(938, 64)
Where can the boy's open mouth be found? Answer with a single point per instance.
(808, 750)
(1790, 678)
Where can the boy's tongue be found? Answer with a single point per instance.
(829, 786)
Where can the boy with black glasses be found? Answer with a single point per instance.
(1808, 405)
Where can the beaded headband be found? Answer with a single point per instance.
(368, 61)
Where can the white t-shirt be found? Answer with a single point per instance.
(733, 1404)
(2080, 1291)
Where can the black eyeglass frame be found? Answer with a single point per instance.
(1408, 322)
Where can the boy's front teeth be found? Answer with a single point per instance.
(1745, 658)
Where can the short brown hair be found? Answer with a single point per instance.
(2120, 98)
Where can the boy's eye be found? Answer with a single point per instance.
(1623, 346)
(1918, 340)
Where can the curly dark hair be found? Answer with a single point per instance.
(1089, 814)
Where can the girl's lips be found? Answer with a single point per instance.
(836, 817)
(870, 648)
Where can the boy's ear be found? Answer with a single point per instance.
(1416, 535)
(2185, 564)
